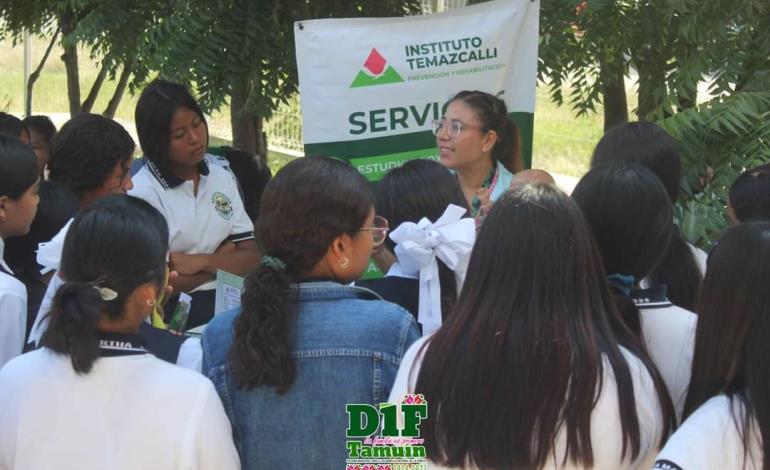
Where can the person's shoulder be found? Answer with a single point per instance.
(29, 366)
(11, 286)
(218, 335)
(221, 321)
(701, 257)
(710, 429)
(159, 372)
(144, 183)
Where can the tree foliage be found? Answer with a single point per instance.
(112, 31)
(244, 50)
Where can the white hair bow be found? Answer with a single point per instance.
(418, 246)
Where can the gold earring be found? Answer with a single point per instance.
(344, 263)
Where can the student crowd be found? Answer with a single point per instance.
(544, 330)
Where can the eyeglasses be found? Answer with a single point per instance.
(453, 127)
(379, 230)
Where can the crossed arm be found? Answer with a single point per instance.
(194, 270)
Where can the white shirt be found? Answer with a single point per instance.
(197, 224)
(709, 438)
(606, 434)
(127, 413)
(669, 334)
(13, 312)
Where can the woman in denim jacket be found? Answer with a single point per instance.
(305, 343)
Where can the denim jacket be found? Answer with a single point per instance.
(347, 345)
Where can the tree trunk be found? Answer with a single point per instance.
(112, 107)
(70, 59)
(34, 75)
(248, 134)
(88, 104)
(614, 92)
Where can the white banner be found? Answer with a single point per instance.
(370, 87)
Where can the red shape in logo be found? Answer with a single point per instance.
(375, 63)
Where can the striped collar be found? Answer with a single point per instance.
(652, 297)
(120, 344)
(169, 180)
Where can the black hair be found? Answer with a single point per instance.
(153, 115)
(493, 115)
(86, 150)
(310, 202)
(648, 144)
(750, 194)
(42, 125)
(56, 207)
(11, 125)
(18, 167)
(522, 357)
(732, 353)
(252, 174)
(417, 189)
(119, 242)
(629, 213)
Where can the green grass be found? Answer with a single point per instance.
(562, 142)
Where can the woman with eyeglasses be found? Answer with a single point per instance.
(305, 343)
(480, 144)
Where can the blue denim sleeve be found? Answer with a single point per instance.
(410, 334)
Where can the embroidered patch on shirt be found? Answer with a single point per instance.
(222, 205)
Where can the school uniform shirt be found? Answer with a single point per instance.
(198, 224)
(710, 438)
(669, 334)
(606, 433)
(13, 312)
(126, 413)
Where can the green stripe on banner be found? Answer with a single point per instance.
(374, 168)
(400, 148)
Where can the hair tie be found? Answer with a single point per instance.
(273, 263)
(622, 283)
(106, 293)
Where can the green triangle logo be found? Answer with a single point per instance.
(376, 71)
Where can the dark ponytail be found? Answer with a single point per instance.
(648, 144)
(629, 213)
(493, 115)
(678, 270)
(73, 329)
(115, 245)
(310, 202)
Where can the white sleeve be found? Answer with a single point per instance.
(408, 371)
(212, 438)
(190, 354)
(41, 322)
(49, 253)
(13, 324)
(147, 194)
(709, 438)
